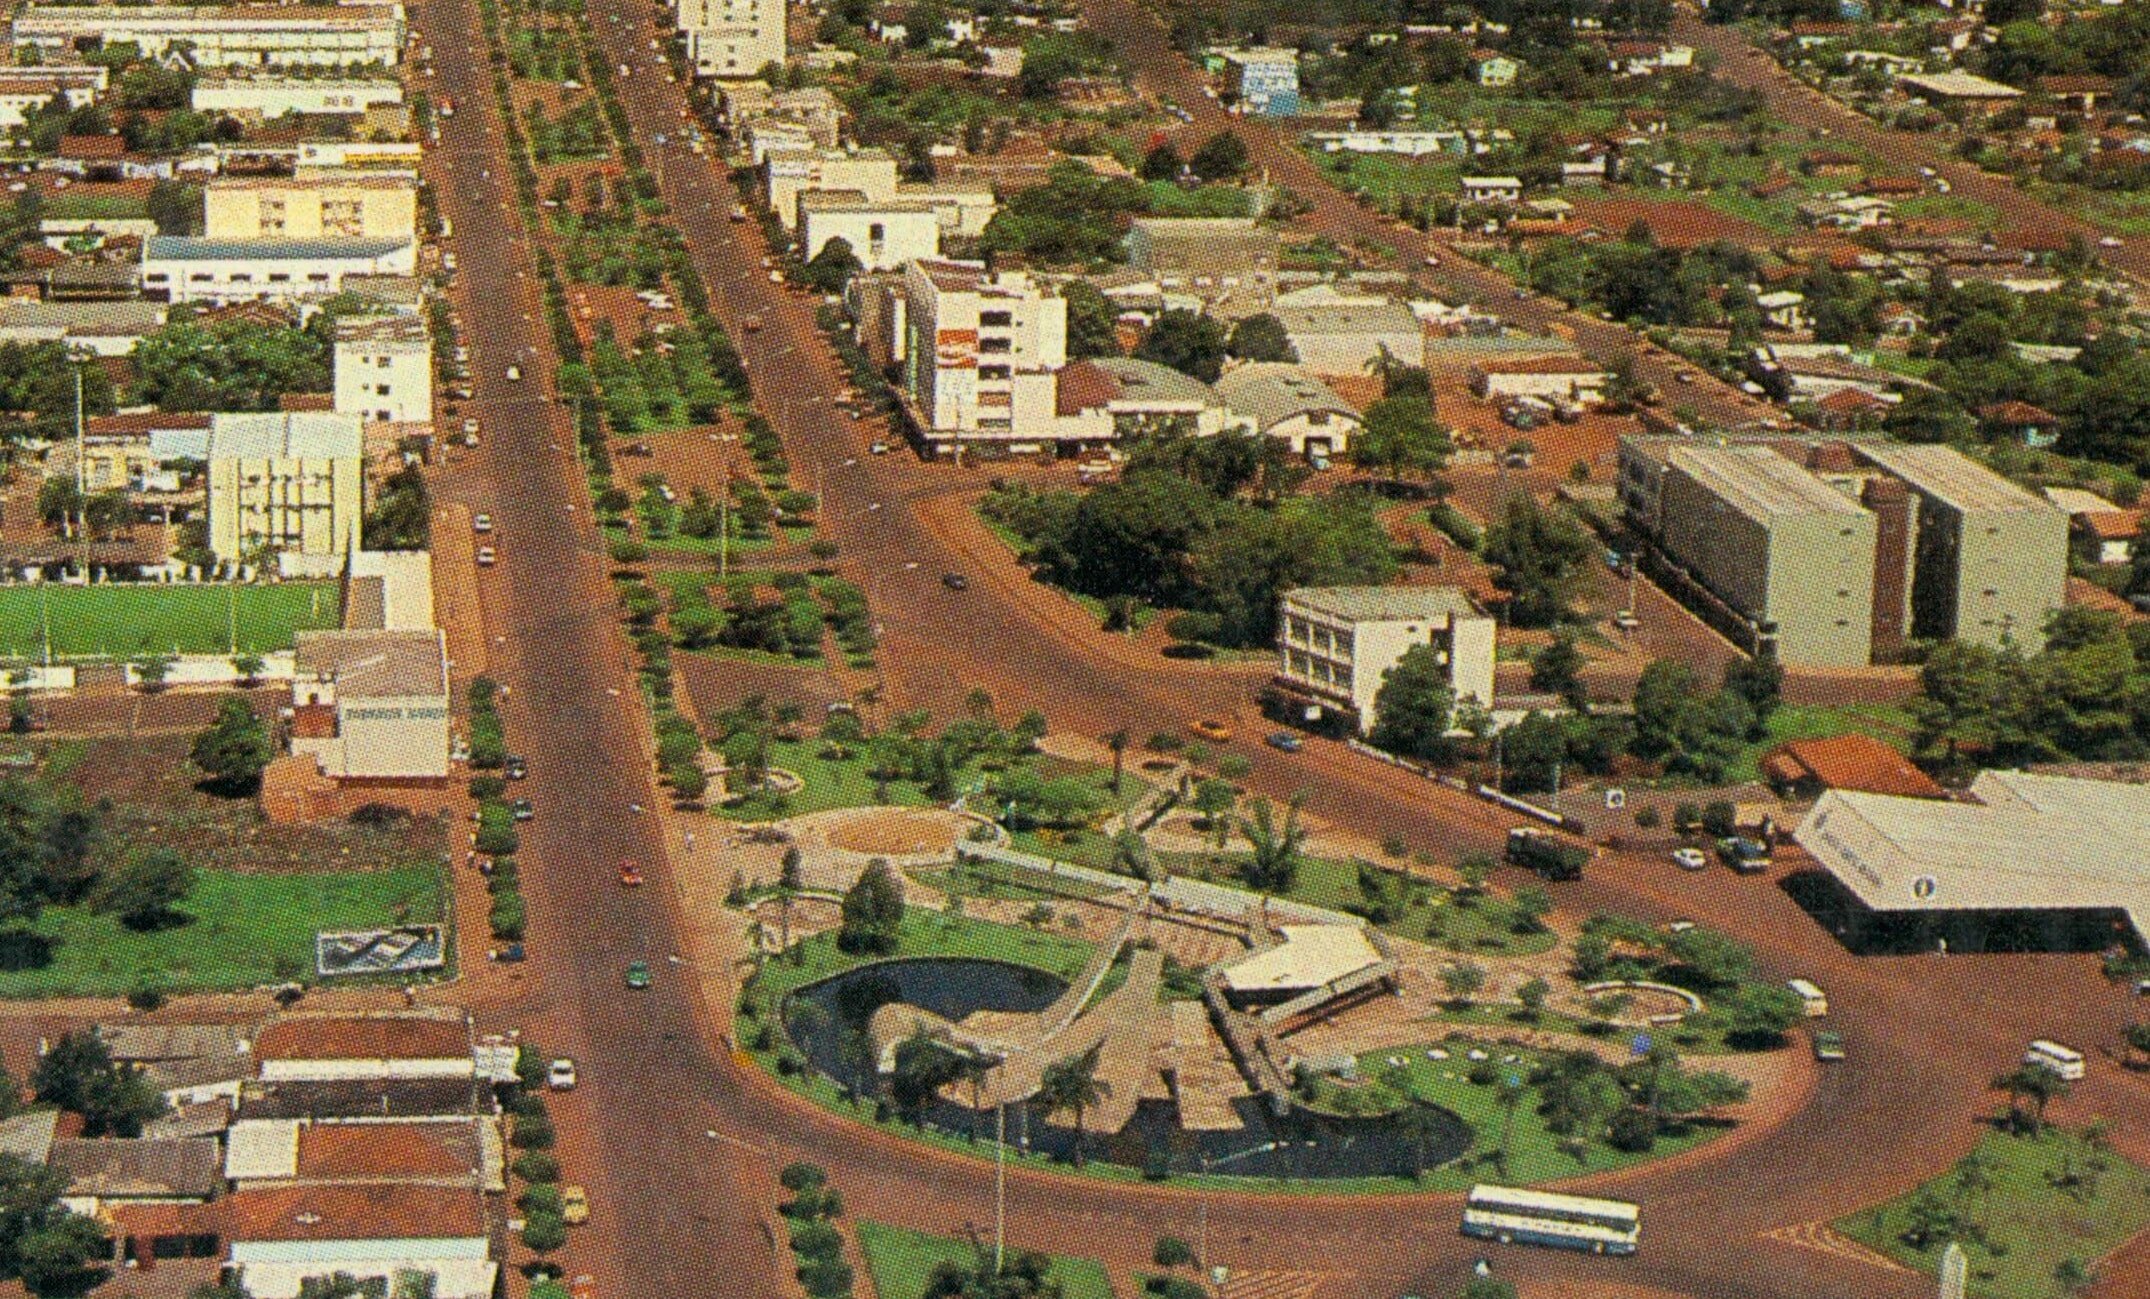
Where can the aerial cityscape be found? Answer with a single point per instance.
(1075, 649)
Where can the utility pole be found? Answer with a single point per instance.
(1000, 1185)
(724, 526)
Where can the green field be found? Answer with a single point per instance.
(122, 622)
(901, 1260)
(244, 930)
(2052, 1198)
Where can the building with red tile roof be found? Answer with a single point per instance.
(1859, 763)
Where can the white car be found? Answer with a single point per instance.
(487, 557)
(1626, 620)
(1690, 859)
(482, 523)
(2109, 241)
(515, 373)
(561, 1076)
(470, 425)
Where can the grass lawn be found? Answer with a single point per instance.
(1484, 924)
(2037, 1221)
(246, 930)
(1534, 1153)
(1886, 722)
(124, 621)
(830, 782)
(901, 1260)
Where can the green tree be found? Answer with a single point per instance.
(231, 365)
(1531, 753)
(1760, 681)
(1186, 341)
(1261, 337)
(1536, 555)
(2036, 1084)
(78, 1074)
(1214, 800)
(1402, 439)
(1532, 996)
(64, 1255)
(1662, 695)
(1556, 669)
(1273, 847)
(1162, 163)
(236, 748)
(1414, 706)
(1093, 323)
(145, 890)
(872, 912)
(1072, 1086)
(1462, 979)
(1222, 157)
(829, 270)
(1716, 959)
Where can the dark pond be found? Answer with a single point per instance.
(1298, 1144)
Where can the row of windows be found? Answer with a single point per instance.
(1314, 669)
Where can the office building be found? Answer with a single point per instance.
(982, 354)
(384, 369)
(331, 205)
(291, 482)
(1336, 645)
(222, 36)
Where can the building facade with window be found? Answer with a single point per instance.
(180, 268)
(223, 36)
(982, 355)
(384, 369)
(334, 206)
(287, 482)
(883, 234)
(1337, 644)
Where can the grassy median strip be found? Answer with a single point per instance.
(2034, 1214)
(901, 1261)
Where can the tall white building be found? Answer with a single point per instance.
(982, 354)
(384, 369)
(1336, 645)
(731, 39)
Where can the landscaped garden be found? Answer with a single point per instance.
(902, 1263)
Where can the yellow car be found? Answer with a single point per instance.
(1216, 732)
(574, 1205)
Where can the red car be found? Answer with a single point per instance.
(630, 876)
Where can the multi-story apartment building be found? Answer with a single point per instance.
(384, 369)
(224, 36)
(1336, 645)
(287, 482)
(731, 39)
(982, 353)
(329, 205)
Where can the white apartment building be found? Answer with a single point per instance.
(982, 353)
(262, 98)
(1336, 644)
(883, 235)
(731, 39)
(23, 90)
(384, 369)
(292, 482)
(181, 268)
(322, 205)
(223, 36)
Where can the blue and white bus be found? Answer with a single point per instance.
(1513, 1216)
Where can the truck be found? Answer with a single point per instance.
(1747, 856)
(1545, 854)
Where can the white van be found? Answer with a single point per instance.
(1812, 998)
(2059, 1059)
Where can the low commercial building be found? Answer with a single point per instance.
(283, 1237)
(981, 354)
(1336, 645)
(1104, 399)
(384, 369)
(1568, 378)
(2029, 862)
(260, 98)
(1976, 95)
(1265, 79)
(1228, 263)
(463, 1152)
(1492, 189)
(219, 36)
(1344, 338)
(108, 1172)
(177, 268)
(788, 173)
(371, 707)
(1307, 967)
(322, 205)
(285, 482)
(330, 1047)
(884, 235)
(99, 328)
(1859, 763)
(362, 1101)
(1287, 402)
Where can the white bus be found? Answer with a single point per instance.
(2057, 1058)
(1514, 1216)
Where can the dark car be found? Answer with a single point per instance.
(955, 581)
(515, 768)
(524, 810)
(1286, 741)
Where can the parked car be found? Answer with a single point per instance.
(1626, 620)
(515, 374)
(561, 1075)
(630, 875)
(955, 581)
(487, 557)
(515, 768)
(574, 1205)
(524, 809)
(507, 954)
(1828, 1047)
(1286, 742)
(482, 523)
(638, 974)
(1214, 731)
(1690, 859)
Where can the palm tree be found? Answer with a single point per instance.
(1073, 1084)
(1118, 741)
(1273, 848)
(2040, 1084)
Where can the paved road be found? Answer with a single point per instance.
(1900, 1111)
(1741, 63)
(649, 1078)
(1162, 71)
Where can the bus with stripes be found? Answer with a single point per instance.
(1514, 1216)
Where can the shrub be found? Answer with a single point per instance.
(1646, 817)
(544, 1232)
(537, 1166)
(1632, 1130)
(817, 1240)
(1171, 1251)
(826, 1278)
(1174, 1287)
(487, 787)
(541, 1197)
(532, 1134)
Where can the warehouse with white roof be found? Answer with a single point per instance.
(2035, 863)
